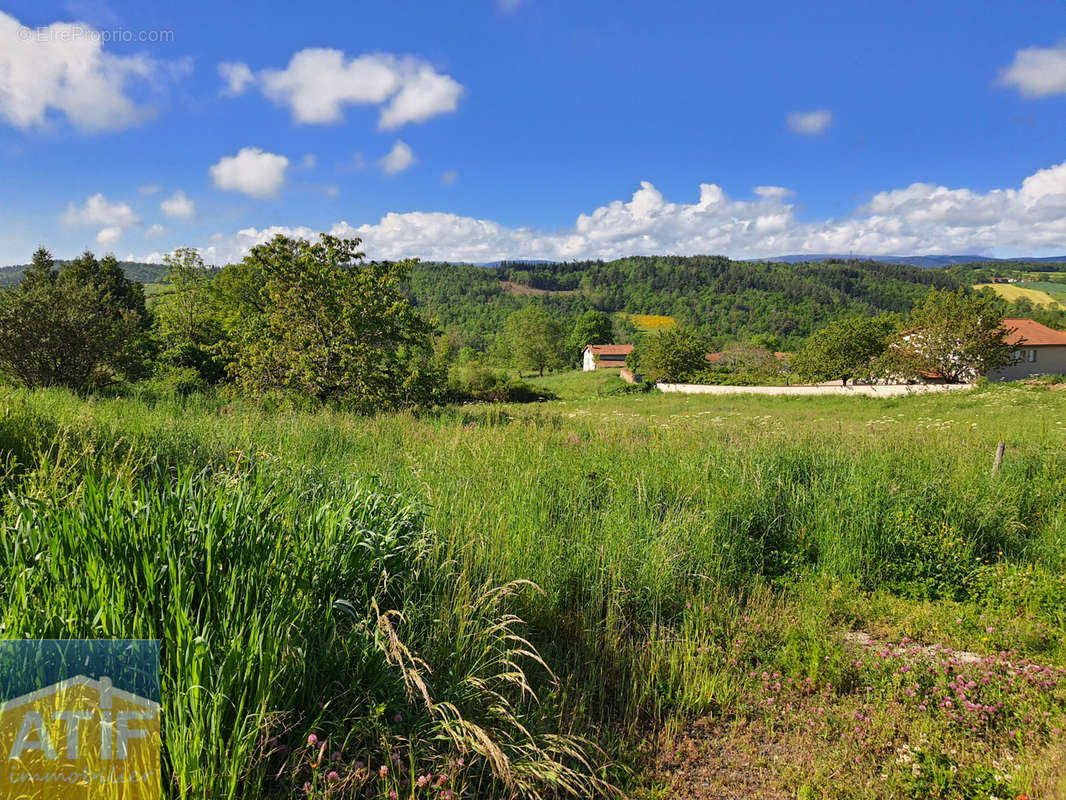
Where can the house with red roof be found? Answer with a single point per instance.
(604, 356)
(1039, 350)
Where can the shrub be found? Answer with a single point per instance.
(475, 381)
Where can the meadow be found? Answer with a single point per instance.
(653, 595)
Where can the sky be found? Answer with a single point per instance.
(479, 130)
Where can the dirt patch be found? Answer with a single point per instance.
(724, 760)
(516, 288)
(932, 651)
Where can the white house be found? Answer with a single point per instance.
(604, 356)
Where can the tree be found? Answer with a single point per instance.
(41, 271)
(673, 355)
(957, 335)
(534, 339)
(62, 331)
(189, 322)
(844, 349)
(334, 329)
(592, 327)
(120, 294)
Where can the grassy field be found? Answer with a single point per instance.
(666, 595)
(1012, 292)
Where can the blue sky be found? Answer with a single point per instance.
(484, 129)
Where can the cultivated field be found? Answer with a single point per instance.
(729, 596)
(1011, 292)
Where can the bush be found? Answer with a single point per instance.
(477, 382)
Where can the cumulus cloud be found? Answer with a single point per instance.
(309, 161)
(400, 157)
(922, 218)
(810, 123)
(1037, 71)
(153, 231)
(108, 236)
(149, 188)
(449, 177)
(319, 82)
(98, 210)
(238, 77)
(63, 68)
(178, 205)
(252, 172)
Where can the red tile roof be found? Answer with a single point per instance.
(610, 349)
(1032, 333)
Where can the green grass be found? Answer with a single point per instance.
(578, 384)
(678, 543)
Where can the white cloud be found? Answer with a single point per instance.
(400, 157)
(508, 6)
(238, 77)
(251, 171)
(919, 219)
(63, 68)
(773, 191)
(98, 210)
(108, 236)
(449, 177)
(153, 231)
(178, 205)
(309, 161)
(1037, 71)
(810, 123)
(319, 82)
(149, 189)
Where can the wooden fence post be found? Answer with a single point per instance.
(998, 461)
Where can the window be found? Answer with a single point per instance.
(1030, 356)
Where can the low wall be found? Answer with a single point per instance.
(627, 375)
(887, 390)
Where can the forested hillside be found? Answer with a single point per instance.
(724, 299)
(138, 271)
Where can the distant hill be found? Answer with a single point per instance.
(914, 261)
(135, 271)
(724, 299)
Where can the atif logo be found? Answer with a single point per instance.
(80, 738)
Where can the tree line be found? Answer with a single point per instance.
(315, 322)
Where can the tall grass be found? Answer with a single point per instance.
(652, 526)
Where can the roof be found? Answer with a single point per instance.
(610, 349)
(103, 685)
(1030, 332)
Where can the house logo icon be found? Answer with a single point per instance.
(80, 738)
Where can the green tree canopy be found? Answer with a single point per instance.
(957, 335)
(66, 330)
(334, 328)
(844, 349)
(672, 355)
(592, 327)
(534, 339)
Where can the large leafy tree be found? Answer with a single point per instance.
(672, 355)
(957, 335)
(188, 320)
(333, 328)
(592, 327)
(844, 349)
(534, 339)
(66, 329)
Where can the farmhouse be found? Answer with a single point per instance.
(604, 356)
(1040, 350)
